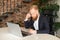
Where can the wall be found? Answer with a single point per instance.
(15, 17)
(58, 19)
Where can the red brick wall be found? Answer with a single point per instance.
(16, 17)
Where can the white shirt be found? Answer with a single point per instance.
(36, 24)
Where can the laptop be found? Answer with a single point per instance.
(14, 29)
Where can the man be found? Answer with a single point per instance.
(40, 24)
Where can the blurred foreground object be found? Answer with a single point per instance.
(41, 37)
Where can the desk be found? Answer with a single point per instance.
(4, 35)
(41, 37)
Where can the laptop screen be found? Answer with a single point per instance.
(14, 29)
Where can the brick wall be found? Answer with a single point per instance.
(15, 17)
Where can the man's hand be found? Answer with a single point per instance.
(31, 31)
(28, 16)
